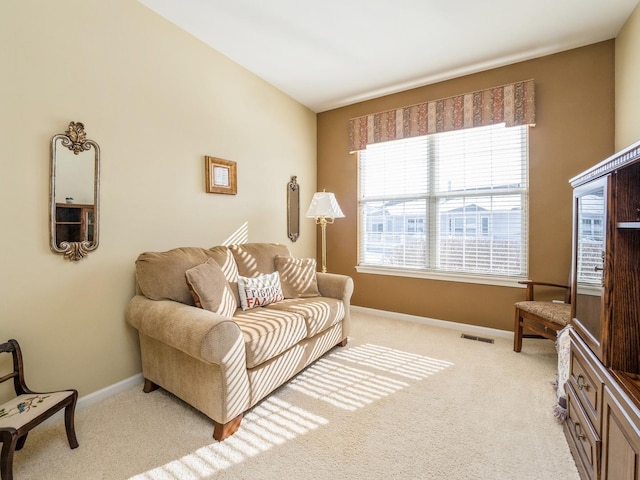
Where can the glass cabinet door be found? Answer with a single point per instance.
(589, 237)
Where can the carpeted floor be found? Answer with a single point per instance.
(403, 400)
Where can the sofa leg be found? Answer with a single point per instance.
(343, 343)
(149, 386)
(224, 430)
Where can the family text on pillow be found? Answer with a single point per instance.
(259, 291)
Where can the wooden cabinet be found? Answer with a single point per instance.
(74, 222)
(603, 390)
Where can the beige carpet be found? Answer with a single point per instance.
(403, 400)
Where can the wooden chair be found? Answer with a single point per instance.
(29, 409)
(543, 319)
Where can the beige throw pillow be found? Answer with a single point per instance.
(210, 289)
(297, 276)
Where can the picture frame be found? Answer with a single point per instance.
(221, 175)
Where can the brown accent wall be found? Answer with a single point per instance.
(575, 129)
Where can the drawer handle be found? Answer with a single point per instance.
(581, 384)
(578, 430)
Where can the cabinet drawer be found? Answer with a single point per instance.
(586, 440)
(587, 383)
(620, 435)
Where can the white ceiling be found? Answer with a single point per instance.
(331, 53)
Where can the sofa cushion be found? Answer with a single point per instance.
(268, 333)
(255, 259)
(259, 291)
(160, 275)
(210, 289)
(319, 313)
(297, 276)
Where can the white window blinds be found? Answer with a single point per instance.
(449, 202)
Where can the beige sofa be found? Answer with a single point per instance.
(198, 344)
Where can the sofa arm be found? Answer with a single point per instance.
(202, 334)
(335, 286)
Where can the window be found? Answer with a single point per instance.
(451, 202)
(485, 225)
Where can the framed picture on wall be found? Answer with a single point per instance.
(221, 175)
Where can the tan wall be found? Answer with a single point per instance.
(156, 100)
(628, 82)
(574, 101)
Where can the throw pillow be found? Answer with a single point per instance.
(297, 276)
(259, 291)
(223, 257)
(210, 289)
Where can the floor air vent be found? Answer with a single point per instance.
(479, 339)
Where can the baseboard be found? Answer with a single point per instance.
(95, 397)
(109, 391)
(463, 327)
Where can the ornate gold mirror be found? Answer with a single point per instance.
(74, 202)
(293, 209)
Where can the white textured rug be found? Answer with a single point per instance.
(403, 400)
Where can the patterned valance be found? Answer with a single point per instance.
(513, 104)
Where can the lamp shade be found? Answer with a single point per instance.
(324, 204)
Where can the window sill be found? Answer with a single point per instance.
(447, 277)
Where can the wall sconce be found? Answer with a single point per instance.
(324, 208)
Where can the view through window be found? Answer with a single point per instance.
(450, 202)
(590, 237)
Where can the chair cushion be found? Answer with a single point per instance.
(22, 409)
(319, 313)
(267, 333)
(559, 313)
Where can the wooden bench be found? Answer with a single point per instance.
(27, 410)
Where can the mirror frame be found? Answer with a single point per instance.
(293, 209)
(74, 139)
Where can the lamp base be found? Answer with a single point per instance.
(323, 222)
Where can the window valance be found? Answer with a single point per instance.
(513, 104)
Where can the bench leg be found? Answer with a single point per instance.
(224, 430)
(9, 443)
(517, 332)
(20, 442)
(69, 423)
